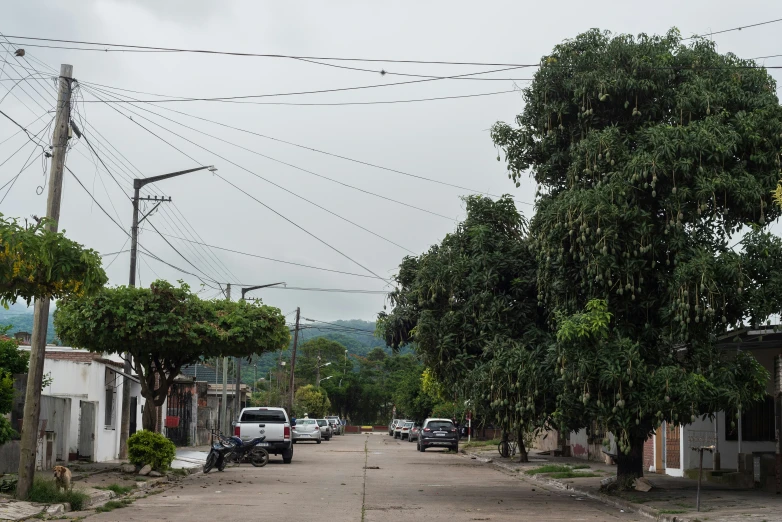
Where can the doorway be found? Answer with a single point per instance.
(87, 412)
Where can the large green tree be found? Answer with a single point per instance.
(472, 298)
(650, 156)
(311, 401)
(163, 328)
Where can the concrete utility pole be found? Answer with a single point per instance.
(224, 399)
(293, 362)
(32, 397)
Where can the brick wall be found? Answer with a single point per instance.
(648, 453)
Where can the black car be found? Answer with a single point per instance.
(438, 433)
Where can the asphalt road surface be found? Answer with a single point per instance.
(364, 478)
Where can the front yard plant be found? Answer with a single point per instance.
(149, 448)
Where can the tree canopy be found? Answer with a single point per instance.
(36, 263)
(650, 156)
(312, 401)
(164, 327)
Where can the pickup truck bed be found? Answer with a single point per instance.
(273, 423)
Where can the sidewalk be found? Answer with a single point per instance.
(672, 499)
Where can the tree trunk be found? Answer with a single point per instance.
(523, 456)
(149, 418)
(630, 466)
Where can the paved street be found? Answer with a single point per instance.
(331, 478)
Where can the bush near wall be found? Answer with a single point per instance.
(147, 447)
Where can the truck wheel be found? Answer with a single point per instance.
(287, 456)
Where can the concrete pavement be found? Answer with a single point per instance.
(364, 478)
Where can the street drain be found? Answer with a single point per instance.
(371, 467)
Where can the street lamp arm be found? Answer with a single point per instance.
(140, 182)
(250, 288)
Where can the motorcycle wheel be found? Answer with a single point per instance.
(259, 457)
(211, 459)
(222, 464)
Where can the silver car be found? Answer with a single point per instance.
(336, 424)
(306, 429)
(325, 429)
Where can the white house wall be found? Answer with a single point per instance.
(728, 448)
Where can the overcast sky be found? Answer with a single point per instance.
(446, 140)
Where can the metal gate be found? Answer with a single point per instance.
(86, 448)
(179, 414)
(672, 449)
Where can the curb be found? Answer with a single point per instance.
(600, 497)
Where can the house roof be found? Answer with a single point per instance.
(81, 356)
(203, 373)
(751, 338)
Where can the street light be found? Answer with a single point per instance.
(324, 379)
(344, 367)
(317, 374)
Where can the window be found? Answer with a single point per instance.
(110, 400)
(440, 425)
(263, 416)
(757, 422)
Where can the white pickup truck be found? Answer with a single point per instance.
(273, 423)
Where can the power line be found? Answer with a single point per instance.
(335, 249)
(312, 149)
(278, 260)
(297, 93)
(129, 47)
(295, 194)
(330, 290)
(252, 151)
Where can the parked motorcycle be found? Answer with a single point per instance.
(242, 451)
(220, 448)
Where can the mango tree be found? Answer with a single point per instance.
(470, 299)
(163, 328)
(651, 156)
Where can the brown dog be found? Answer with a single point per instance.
(62, 478)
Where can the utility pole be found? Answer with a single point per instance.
(138, 184)
(224, 398)
(32, 402)
(293, 361)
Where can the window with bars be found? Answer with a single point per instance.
(757, 422)
(110, 401)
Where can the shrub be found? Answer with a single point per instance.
(45, 492)
(147, 447)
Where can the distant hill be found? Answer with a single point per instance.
(20, 318)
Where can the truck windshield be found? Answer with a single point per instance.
(263, 416)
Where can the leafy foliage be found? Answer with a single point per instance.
(649, 155)
(164, 327)
(149, 448)
(36, 263)
(12, 361)
(45, 491)
(311, 401)
(470, 306)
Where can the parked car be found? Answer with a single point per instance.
(306, 429)
(413, 435)
(273, 423)
(404, 433)
(336, 425)
(398, 428)
(438, 433)
(325, 429)
(392, 426)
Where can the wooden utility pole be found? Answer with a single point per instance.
(293, 362)
(32, 398)
(224, 398)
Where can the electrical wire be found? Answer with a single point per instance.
(331, 290)
(302, 169)
(278, 260)
(312, 149)
(295, 194)
(128, 47)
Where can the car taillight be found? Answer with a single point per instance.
(453, 430)
(237, 431)
(287, 432)
(427, 429)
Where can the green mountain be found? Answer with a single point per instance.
(20, 318)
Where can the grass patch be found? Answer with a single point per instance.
(116, 488)
(111, 505)
(580, 466)
(671, 511)
(179, 471)
(45, 492)
(548, 468)
(571, 474)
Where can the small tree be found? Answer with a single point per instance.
(164, 328)
(311, 401)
